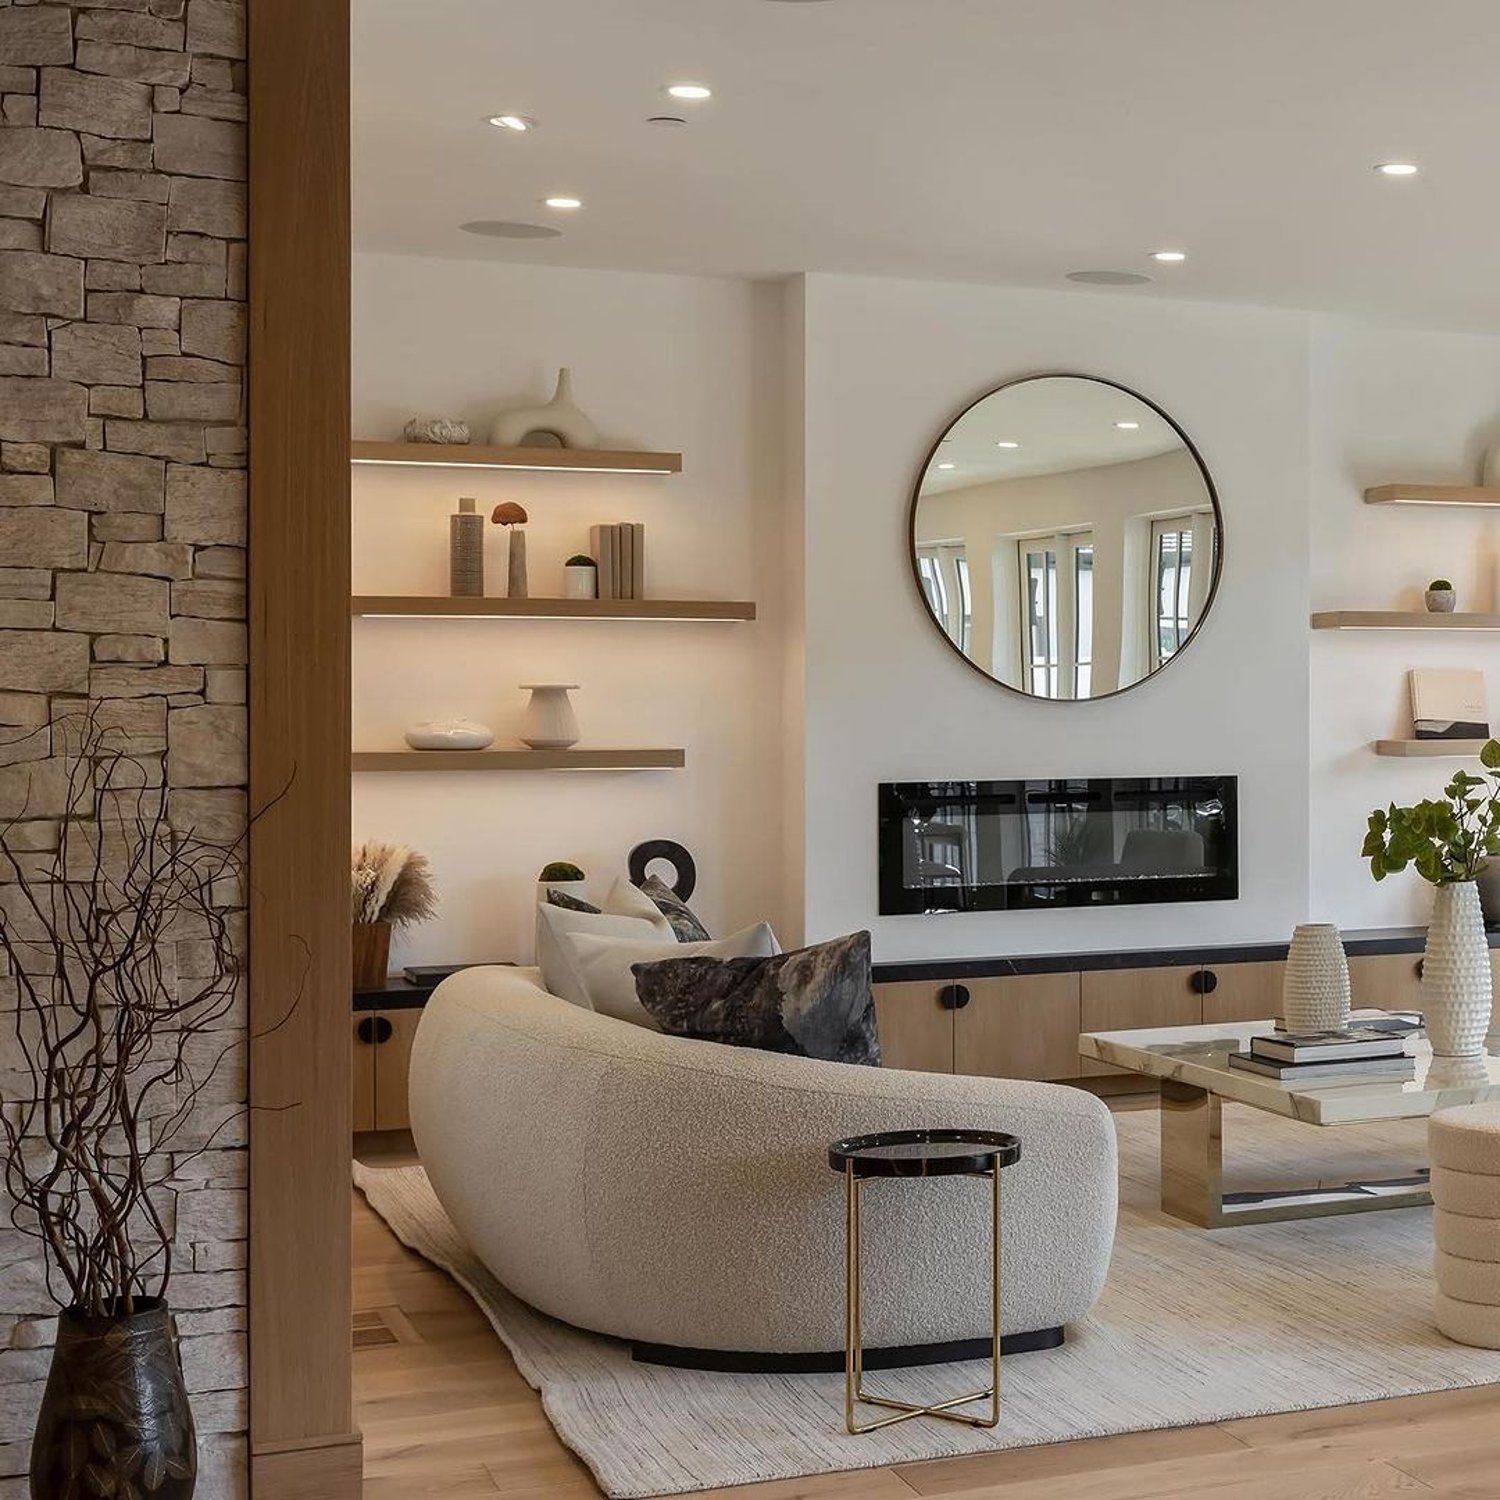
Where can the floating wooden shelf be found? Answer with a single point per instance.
(1396, 619)
(517, 760)
(442, 606)
(1432, 494)
(478, 456)
(1429, 749)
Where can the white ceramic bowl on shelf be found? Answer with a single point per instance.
(450, 734)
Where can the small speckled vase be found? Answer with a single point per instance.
(1457, 988)
(1315, 986)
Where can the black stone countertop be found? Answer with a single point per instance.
(1357, 943)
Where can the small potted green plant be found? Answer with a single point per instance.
(580, 577)
(562, 876)
(1449, 842)
(1442, 598)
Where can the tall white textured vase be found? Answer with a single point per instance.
(1457, 987)
(1315, 986)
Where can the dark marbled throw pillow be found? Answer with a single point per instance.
(683, 918)
(570, 903)
(814, 1002)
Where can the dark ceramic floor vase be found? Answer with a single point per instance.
(115, 1422)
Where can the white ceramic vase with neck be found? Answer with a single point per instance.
(549, 722)
(1457, 988)
(1315, 985)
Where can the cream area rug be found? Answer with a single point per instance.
(1194, 1326)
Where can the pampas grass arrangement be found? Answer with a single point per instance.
(392, 883)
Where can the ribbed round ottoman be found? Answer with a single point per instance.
(1464, 1148)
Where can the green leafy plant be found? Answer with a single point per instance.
(1448, 841)
(560, 869)
(578, 560)
(1440, 586)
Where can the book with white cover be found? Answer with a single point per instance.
(1449, 703)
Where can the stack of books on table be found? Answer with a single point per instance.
(1327, 1056)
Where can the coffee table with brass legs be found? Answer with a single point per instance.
(917, 1153)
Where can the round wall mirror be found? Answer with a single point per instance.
(1066, 537)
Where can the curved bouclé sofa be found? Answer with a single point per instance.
(677, 1193)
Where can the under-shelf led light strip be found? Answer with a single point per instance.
(440, 463)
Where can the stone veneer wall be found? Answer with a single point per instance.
(122, 533)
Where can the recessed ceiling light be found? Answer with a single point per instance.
(947, 466)
(1007, 443)
(1109, 278)
(563, 202)
(1398, 169)
(665, 120)
(518, 123)
(690, 91)
(1128, 426)
(1169, 257)
(508, 229)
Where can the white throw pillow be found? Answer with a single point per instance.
(603, 964)
(553, 923)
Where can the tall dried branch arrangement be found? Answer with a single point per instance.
(113, 1051)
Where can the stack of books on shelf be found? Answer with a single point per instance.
(620, 555)
(1327, 1056)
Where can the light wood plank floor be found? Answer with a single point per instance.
(445, 1414)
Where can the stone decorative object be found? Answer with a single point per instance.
(450, 734)
(466, 551)
(556, 423)
(513, 518)
(1315, 988)
(436, 430)
(580, 578)
(1457, 988)
(1442, 597)
(549, 722)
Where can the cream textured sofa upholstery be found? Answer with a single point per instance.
(677, 1192)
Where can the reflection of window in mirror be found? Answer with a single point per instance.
(1057, 613)
(1039, 616)
(1176, 593)
(944, 570)
(1083, 618)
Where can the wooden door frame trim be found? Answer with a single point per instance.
(302, 1439)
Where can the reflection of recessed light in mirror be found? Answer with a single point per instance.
(1109, 278)
(690, 91)
(520, 124)
(1007, 443)
(1398, 169)
(508, 229)
(665, 120)
(1169, 257)
(563, 202)
(947, 466)
(1128, 426)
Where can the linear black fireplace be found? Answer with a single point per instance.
(1031, 845)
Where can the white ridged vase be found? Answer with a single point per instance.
(1315, 987)
(549, 722)
(1457, 987)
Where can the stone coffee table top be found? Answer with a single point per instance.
(1199, 1056)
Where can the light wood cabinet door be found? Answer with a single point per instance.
(1022, 1027)
(364, 1071)
(916, 1031)
(1386, 981)
(1132, 999)
(392, 1060)
(1242, 992)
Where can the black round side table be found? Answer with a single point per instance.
(917, 1153)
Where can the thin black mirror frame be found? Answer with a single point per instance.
(1208, 484)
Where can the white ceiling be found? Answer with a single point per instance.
(1062, 424)
(1001, 141)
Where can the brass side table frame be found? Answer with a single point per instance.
(916, 1153)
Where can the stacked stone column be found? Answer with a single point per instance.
(122, 543)
(1464, 1147)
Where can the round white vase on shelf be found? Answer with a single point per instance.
(559, 419)
(549, 722)
(1457, 988)
(1315, 987)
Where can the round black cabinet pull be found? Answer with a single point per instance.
(954, 996)
(375, 1030)
(1205, 982)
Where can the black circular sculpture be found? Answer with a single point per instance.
(684, 872)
